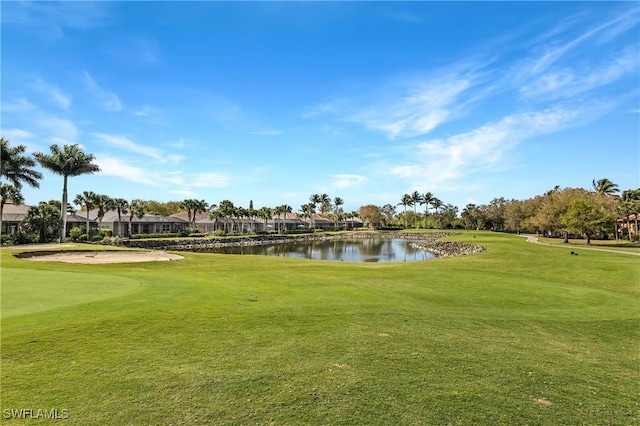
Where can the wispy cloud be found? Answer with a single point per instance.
(108, 99)
(51, 19)
(57, 95)
(266, 132)
(442, 163)
(136, 51)
(347, 181)
(19, 105)
(17, 135)
(114, 166)
(121, 142)
(58, 129)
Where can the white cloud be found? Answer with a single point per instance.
(113, 166)
(347, 181)
(108, 99)
(441, 163)
(56, 94)
(115, 141)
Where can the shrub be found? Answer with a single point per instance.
(75, 234)
(219, 233)
(21, 237)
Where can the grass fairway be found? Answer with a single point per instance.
(519, 334)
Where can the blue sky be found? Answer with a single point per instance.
(275, 101)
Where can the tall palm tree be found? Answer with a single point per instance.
(314, 200)
(137, 209)
(605, 186)
(68, 161)
(87, 198)
(325, 204)
(9, 192)
(436, 204)
(122, 207)
(416, 198)
(17, 167)
(226, 209)
(405, 201)
(198, 206)
(427, 198)
(337, 202)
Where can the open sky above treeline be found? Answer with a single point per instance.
(367, 101)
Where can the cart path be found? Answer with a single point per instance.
(532, 239)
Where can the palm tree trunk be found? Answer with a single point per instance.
(63, 208)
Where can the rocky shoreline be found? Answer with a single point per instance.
(428, 242)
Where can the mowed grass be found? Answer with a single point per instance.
(519, 334)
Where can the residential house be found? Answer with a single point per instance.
(147, 224)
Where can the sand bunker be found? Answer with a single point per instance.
(95, 257)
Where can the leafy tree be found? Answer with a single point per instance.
(44, 219)
(17, 167)
(585, 217)
(371, 215)
(474, 216)
(68, 161)
(388, 212)
(87, 198)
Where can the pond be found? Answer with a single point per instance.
(349, 250)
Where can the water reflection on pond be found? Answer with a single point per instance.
(356, 250)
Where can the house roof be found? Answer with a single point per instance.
(112, 216)
(14, 213)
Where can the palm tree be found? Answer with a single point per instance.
(265, 213)
(137, 209)
(215, 215)
(314, 200)
(436, 204)
(427, 198)
(122, 207)
(325, 204)
(605, 186)
(405, 201)
(70, 160)
(9, 192)
(86, 198)
(16, 167)
(199, 206)
(44, 219)
(416, 199)
(337, 202)
(226, 209)
(103, 203)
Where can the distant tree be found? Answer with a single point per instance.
(605, 187)
(585, 217)
(17, 167)
(388, 212)
(337, 210)
(68, 161)
(325, 204)
(405, 201)
(137, 209)
(44, 220)
(371, 215)
(122, 207)
(473, 216)
(416, 198)
(103, 203)
(265, 213)
(314, 200)
(427, 199)
(86, 198)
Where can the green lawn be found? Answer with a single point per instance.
(519, 334)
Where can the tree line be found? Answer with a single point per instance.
(591, 213)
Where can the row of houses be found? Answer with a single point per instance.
(14, 215)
